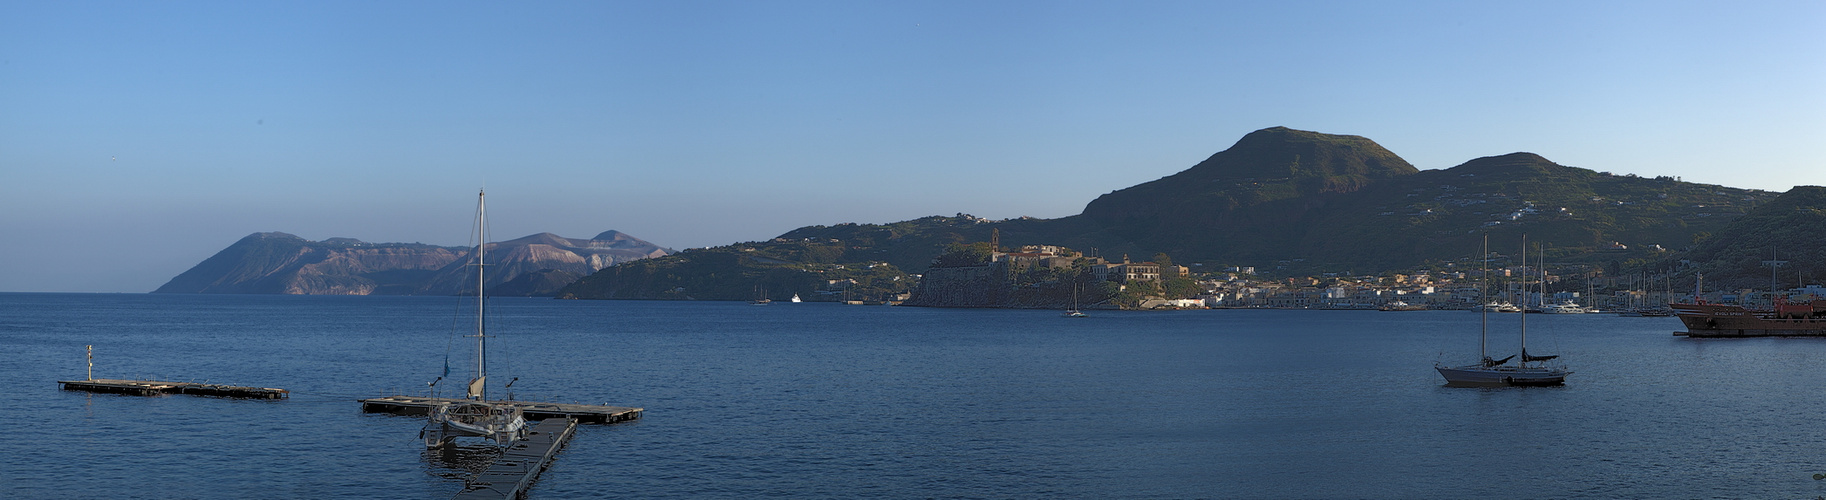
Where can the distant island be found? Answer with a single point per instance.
(280, 263)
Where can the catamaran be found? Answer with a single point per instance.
(1498, 372)
(502, 424)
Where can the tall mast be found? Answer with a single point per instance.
(481, 332)
(1524, 300)
(1773, 265)
(1483, 329)
(1541, 256)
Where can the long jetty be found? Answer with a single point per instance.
(589, 414)
(154, 387)
(520, 464)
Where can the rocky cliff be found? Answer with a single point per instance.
(280, 263)
(511, 259)
(970, 286)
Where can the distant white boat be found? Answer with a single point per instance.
(796, 298)
(1567, 307)
(1499, 307)
(1401, 306)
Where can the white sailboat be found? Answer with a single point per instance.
(1074, 312)
(796, 298)
(477, 417)
(1498, 372)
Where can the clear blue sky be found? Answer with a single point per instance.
(138, 138)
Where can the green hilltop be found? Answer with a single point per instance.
(1790, 228)
(814, 269)
(1243, 202)
(1579, 214)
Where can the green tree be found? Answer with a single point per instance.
(1163, 260)
(961, 255)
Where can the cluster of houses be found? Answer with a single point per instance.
(1237, 287)
(1050, 256)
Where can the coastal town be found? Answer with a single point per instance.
(1461, 285)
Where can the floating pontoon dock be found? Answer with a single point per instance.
(152, 387)
(589, 414)
(521, 463)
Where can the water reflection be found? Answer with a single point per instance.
(459, 460)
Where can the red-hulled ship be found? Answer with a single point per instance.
(1803, 319)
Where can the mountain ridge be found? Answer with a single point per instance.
(282, 263)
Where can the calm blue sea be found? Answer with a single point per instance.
(833, 401)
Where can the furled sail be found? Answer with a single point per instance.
(1497, 362)
(1527, 358)
(475, 387)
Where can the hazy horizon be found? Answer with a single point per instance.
(140, 139)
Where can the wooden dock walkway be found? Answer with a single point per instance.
(520, 464)
(589, 414)
(154, 387)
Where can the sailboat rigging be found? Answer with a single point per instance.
(476, 417)
(1074, 312)
(1497, 372)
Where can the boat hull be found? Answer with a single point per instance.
(503, 424)
(1502, 376)
(1722, 320)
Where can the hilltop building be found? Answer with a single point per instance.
(1048, 256)
(1133, 271)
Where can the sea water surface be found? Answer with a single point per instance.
(818, 400)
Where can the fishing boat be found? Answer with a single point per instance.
(476, 417)
(1489, 371)
(1784, 319)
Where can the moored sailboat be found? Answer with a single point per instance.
(477, 417)
(1074, 312)
(1498, 372)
